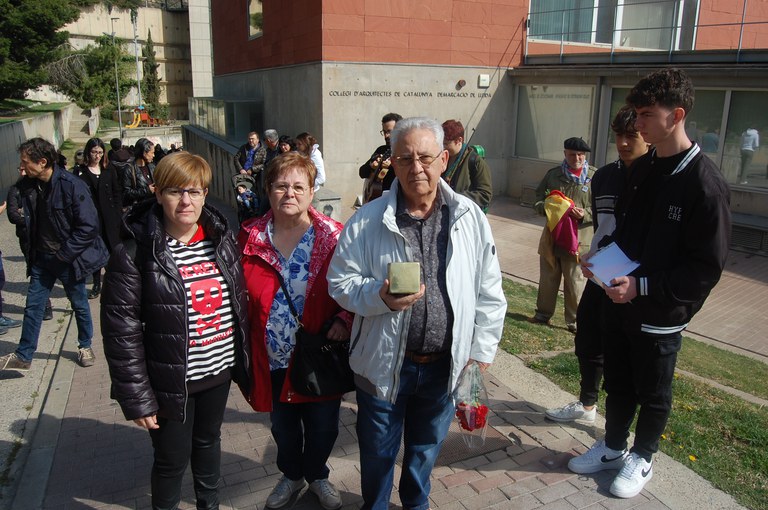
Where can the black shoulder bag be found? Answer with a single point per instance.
(320, 367)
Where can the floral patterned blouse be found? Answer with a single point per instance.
(281, 324)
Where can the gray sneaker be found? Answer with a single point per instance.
(85, 357)
(7, 322)
(13, 362)
(571, 412)
(283, 492)
(327, 494)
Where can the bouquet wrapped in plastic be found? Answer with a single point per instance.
(471, 408)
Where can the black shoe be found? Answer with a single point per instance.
(95, 292)
(48, 315)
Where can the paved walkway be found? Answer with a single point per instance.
(79, 452)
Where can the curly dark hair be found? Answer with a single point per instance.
(37, 149)
(670, 88)
(624, 121)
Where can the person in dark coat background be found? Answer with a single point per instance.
(101, 179)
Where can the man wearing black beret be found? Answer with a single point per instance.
(573, 177)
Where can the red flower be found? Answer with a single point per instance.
(471, 417)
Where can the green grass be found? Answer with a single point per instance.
(728, 368)
(522, 337)
(722, 438)
(719, 436)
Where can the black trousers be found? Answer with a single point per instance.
(197, 439)
(589, 342)
(639, 369)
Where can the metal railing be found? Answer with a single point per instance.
(607, 29)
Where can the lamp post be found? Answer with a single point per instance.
(117, 83)
(136, 53)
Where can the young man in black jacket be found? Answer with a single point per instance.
(674, 219)
(607, 183)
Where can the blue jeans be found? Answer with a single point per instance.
(421, 415)
(304, 432)
(45, 271)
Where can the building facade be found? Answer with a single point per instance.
(522, 75)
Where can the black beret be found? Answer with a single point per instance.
(576, 144)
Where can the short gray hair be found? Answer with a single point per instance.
(412, 123)
(271, 135)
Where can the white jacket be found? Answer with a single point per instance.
(369, 241)
(317, 158)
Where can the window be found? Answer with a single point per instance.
(747, 127)
(570, 20)
(548, 114)
(638, 24)
(255, 18)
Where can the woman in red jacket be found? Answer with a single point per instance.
(292, 242)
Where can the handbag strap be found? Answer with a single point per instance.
(288, 297)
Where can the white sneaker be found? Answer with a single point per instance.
(632, 477)
(597, 458)
(327, 494)
(571, 412)
(283, 492)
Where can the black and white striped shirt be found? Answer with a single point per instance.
(211, 347)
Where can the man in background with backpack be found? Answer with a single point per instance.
(467, 172)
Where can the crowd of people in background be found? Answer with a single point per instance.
(187, 308)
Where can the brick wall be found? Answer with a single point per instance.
(470, 32)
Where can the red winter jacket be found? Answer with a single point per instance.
(259, 261)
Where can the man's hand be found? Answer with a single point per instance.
(399, 302)
(376, 162)
(338, 331)
(386, 163)
(585, 265)
(577, 212)
(483, 366)
(623, 289)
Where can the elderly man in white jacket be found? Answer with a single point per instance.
(407, 351)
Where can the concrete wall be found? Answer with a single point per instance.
(201, 49)
(53, 126)
(356, 96)
(170, 36)
(342, 105)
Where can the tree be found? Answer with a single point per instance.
(30, 39)
(150, 80)
(87, 76)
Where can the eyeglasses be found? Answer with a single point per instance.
(97, 153)
(281, 188)
(385, 132)
(424, 160)
(195, 194)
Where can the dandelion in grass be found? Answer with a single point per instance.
(692, 458)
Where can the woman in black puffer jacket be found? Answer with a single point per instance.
(173, 319)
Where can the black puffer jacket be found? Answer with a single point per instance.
(144, 314)
(135, 187)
